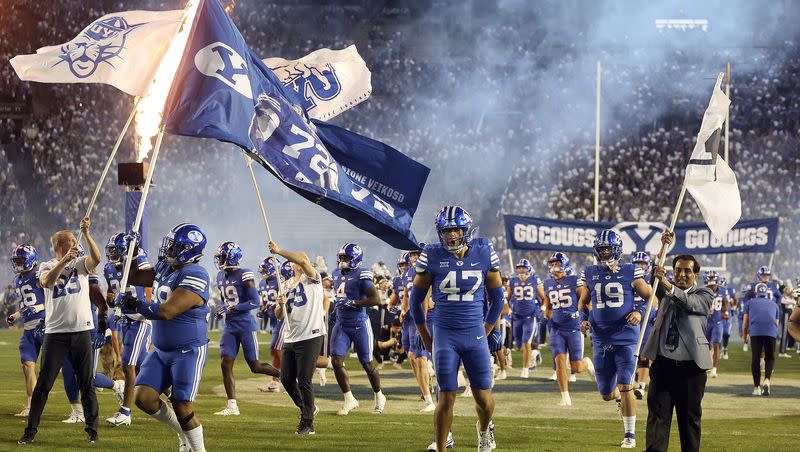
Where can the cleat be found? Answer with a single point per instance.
(183, 444)
(228, 411)
(484, 439)
(380, 403)
(119, 419)
(572, 378)
(765, 388)
(27, 439)
(119, 391)
(756, 391)
(502, 375)
(639, 393)
(628, 443)
(745, 347)
(590, 367)
(273, 386)
(492, 443)
(713, 373)
(524, 373)
(429, 408)
(305, 428)
(348, 406)
(74, 418)
(537, 357)
(565, 401)
(91, 437)
(24, 412)
(554, 377)
(449, 444)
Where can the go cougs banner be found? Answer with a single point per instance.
(747, 236)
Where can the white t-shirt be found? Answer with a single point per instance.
(67, 306)
(305, 315)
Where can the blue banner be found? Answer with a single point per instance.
(748, 236)
(223, 91)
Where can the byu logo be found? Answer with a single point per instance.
(640, 237)
(221, 61)
(312, 82)
(100, 42)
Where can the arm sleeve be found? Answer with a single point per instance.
(415, 300)
(365, 280)
(251, 302)
(581, 279)
(496, 301)
(422, 263)
(493, 259)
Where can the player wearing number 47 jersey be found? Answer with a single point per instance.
(461, 270)
(239, 297)
(179, 314)
(561, 307)
(607, 290)
(354, 292)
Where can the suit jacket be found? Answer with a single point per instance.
(691, 307)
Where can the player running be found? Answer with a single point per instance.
(525, 291)
(268, 289)
(461, 270)
(642, 259)
(136, 330)
(607, 291)
(179, 314)
(239, 297)
(719, 311)
(355, 291)
(566, 339)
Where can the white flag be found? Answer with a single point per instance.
(709, 179)
(120, 49)
(329, 81)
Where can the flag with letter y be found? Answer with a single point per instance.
(709, 179)
(223, 91)
(120, 49)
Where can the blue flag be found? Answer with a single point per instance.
(223, 91)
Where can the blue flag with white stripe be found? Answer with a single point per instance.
(223, 91)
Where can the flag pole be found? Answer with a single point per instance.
(249, 162)
(727, 137)
(597, 150)
(140, 211)
(108, 163)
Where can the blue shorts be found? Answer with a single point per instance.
(232, 338)
(276, 343)
(360, 336)
(524, 328)
(409, 331)
(739, 323)
(181, 368)
(614, 365)
(714, 332)
(726, 326)
(451, 347)
(418, 348)
(565, 342)
(135, 342)
(29, 346)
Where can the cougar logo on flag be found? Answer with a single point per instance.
(312, 82)
(100, 42)
(640, 236)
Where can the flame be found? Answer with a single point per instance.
(230, 7)
(151, 106)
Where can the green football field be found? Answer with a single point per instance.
(526, 415)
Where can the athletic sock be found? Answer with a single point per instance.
(232, 404)
(167, 416)
(195, 439)
(428, 399)
(630, 424)
(125, 410)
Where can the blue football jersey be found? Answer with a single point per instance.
(188, 329)
(407, 281)
(612, 300)
(563, 297)
(113, 276)
(715, 315)
(523, 299)
(640, 304)
(233, 291)
(398, 287)
(351, 285)
(459, 285)
(773, 292)
(26, 285)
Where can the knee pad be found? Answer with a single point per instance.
(184, 421)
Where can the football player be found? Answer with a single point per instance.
(136, 330)
(461, 270)
(561, 307)
(727, 323)
(179, 314)
(268, 288)
(525, 291)
(355, 291)
(642, 259)
(719, 311)
(606, 292)
(239, 297)
(421, 359)
(764, 276)
(25, 263)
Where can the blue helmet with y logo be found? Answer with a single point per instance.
(24, 258)
(228, 255)
(350, 256)
(183, 244)
(268, 267)
(563, 261)
(454, 217)
(608, 247)
(526, 264)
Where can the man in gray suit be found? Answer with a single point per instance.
(679, 349)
